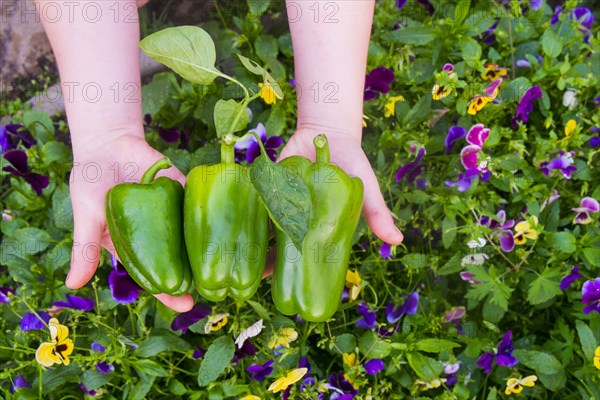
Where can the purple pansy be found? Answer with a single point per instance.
(564, 163)
(292, 82)
(536, 4)
(123, 288)
(378, 81)
(247, 349)
(524, 63)
(591, 295)
(468, 277)
(105, 367)
(343, 390)
(260, 372)
(369, 318)
(451, 370)
(454, 314)
(584, 16)
(19, 167)
(570, 278)
(4, 294)
(30, 321)
(489, 36)
(385, 251)
(553, 197)
(198, 353)
(502, 230)
(19, 383)
(525, 106)
(12, 135)
(76, 303)
(169, 135)
(454, 134)
(183, 321)
(409, 307)
(248, 149)
(557, 11)
(465, 180)
(400, 4)
(411, 170)
(374, 366)
(87, 391)
(503, 355)
(588, 206)
(97, 347)
(595, 142)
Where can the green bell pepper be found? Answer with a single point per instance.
(226, 228)
(145, 222)
(311, 283)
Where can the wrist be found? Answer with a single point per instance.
(100, 143)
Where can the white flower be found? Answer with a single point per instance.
(476, 243)
(474, 259)
(251, 331)
(570, 99)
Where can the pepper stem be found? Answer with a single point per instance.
(151, 172)
(227, 150)
(322, 148)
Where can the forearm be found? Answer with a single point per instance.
(96, 48)
(330, 41)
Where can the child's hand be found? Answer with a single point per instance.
(346, 152)
(94, 172)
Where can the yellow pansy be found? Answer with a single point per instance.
(283, 337)
(390, 106)
(291, 378)
(597, 357)
(215, 322)
(353, 283)
(57, 351)
(250, 397)
(477, 103)
(439, 92)
(436, 383)
(570, 127)
(349, 359)
(493, 72)
(267, 93)
(514, 385)
(524, 231)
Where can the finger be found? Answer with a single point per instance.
(87, 235)
(180, 304)
(378, 216)
(175, 174)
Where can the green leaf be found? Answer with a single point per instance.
(94, 379)
(61, 207)
(158, 92)
(415, 35)
(562, 242)
(471, 51)
(490, 285)
(346, 342)
(426, 368)
(415, 260)
(448, 231)
(158, 344)
(551, 44)
(206, 155)
(187, 50)
(217, 358)
(54, 151)
(32, 240)
(266, 47)
(545, 286)
(140, 389)
(226, 111)
(591, 254)
(40, 124)
(276, 122)
(285, 196)
(587, 339)
(149, 367)
(461, 11)
(435, 345)
(251, 65)
(54, 378)
(493, 394)
(259, 309)
(258, 7)
(452, 266)
(372, 346)
(541, 362)
(59, 256)
(177, 388)
(180, 158)
(553, 382)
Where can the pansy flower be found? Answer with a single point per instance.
(470, 155)
(253, 330)
(19, 167)
(597, 357)
(169, 135)
(489, 36)
(58, 350)
(564, 163)
(12, 135)
(341, 386)
(283, 337)
(570, 127)
(454, 134)
(570, 278)
(553, 197)
(514, 385)
(503, 355)
(479, 101)
(525, 106)
(493, 72)
(454, 314)
(433, 384)
(21, 383)
(445, 82)
(468, 277)
(451, 371)
(5, 294)
(247, 349)
(198, 353)
(268, 94)
(183, 321)
(584, 16)
(390, 107)
(524, 231)
(557, 11)
(31, 321)
(353, 284)
(570, 99)
(409, 307)
(387, 251)
(87, 391)
(378, 81)
(105, 367)
(465, 180)
(412, 170)
(123, 289)
(76, 303)
(374, 366)
(97, 347)
(502, 229)
(349, 360)
(369, 318)
(524, 63)
(291, 378)
(215, 322)
(588, 206)
(260, 372)
(591, 296)
(248, 149)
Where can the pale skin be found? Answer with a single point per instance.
(108, 132)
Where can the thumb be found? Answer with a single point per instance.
(85, 255)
